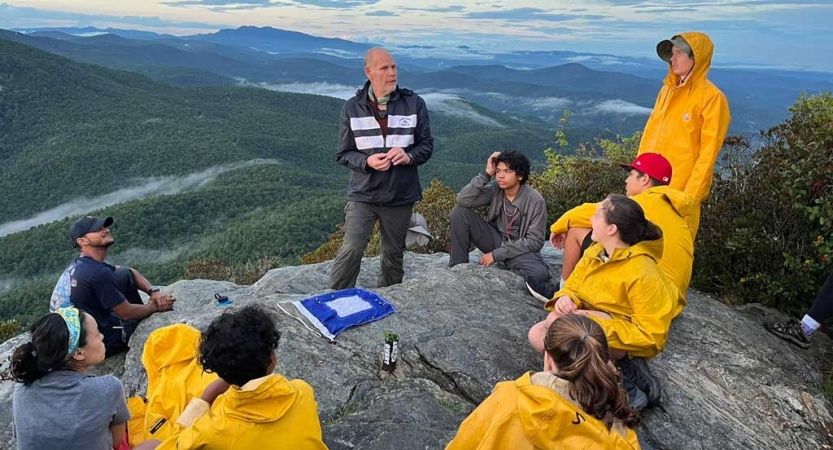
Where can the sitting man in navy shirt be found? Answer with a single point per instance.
(109, 293)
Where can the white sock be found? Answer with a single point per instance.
(809, 325)
(561, 284)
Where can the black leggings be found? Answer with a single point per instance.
(822, 308)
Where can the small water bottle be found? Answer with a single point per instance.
(391, 354)
(222, 300)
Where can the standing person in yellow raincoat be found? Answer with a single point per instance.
(672, 210)
(575, 403)
(618, 284)
(690, 118)
(248, 407)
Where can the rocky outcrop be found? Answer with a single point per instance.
(728, 383)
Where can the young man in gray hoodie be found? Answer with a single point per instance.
(515, 228)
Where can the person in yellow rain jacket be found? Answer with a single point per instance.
(248, 407)
(618, 284)
(690, 117)
(575, 403)
(174, 378)
(672, 210)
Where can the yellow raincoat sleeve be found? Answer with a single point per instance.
(716, 118)
(653, 300)
(578, 217)
(475, 430)
(188, 439)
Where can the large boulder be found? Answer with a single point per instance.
(728, 383)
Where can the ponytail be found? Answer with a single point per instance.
(630, 220)
(46, 351)
(578, 347)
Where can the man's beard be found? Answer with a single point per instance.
(103, 244)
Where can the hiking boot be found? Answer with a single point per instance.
(790, 331)
(637, 399)
(637, 371)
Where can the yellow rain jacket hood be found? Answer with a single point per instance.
(174, 378)
(689, 123)
(270, 412)
(632, 289)
(674, 212)
(536, 412)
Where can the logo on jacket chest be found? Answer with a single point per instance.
(397, 121)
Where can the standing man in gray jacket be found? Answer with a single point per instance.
(516, 225)
(384, 136)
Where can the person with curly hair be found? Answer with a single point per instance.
(249, 405)
(55, 400)
(576, 402)
(515, 227)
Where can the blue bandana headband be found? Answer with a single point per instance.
(73, 320)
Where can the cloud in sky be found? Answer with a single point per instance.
(795, 32)
(381, 14)
(226, 5)
(340, 4)
(523, 14)
(22, 17)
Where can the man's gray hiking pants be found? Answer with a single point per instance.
(359, 219)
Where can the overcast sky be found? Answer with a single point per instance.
(787, 33)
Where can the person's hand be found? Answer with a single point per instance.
(564, 305)
(487, 260)
(165, 301)
(557, 240)
(398, 157)
(491, 167)
(378, 161)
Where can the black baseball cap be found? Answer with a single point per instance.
(86, 225)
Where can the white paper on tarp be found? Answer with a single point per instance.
(347, 306)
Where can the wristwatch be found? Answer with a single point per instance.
(153, 289)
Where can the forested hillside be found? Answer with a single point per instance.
(267, 186)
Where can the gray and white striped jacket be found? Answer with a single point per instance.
(361, 136)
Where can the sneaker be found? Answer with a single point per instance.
(637, 371)
(542, 290)
(791, 331)
(637, 399)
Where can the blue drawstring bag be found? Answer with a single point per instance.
(337, 311)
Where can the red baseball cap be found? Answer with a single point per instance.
(653, 164)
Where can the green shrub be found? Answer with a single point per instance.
(9, 329)
(588, 175)
(766, 230)
(215, 269)
(436, 205)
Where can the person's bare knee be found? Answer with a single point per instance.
(537, 334)
(538, 331)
